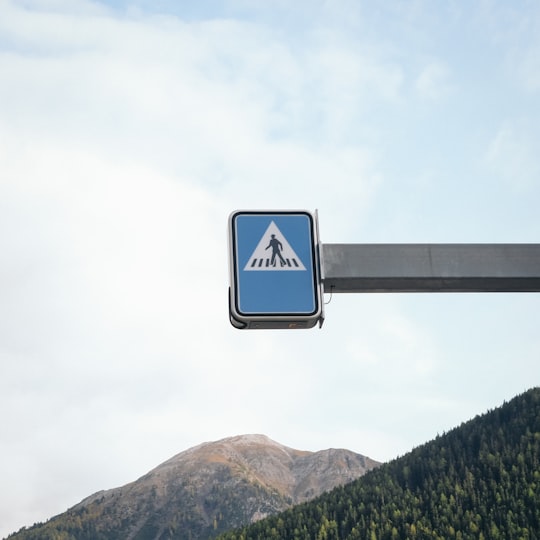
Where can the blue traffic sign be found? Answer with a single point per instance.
(275, 279)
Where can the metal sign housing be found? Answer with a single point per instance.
(274, 269)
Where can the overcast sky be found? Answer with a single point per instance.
(129, 130)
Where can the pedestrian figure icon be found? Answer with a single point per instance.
(282, 252)
(277, 248)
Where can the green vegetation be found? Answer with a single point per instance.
(479, 481)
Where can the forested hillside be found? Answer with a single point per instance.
(479, 481)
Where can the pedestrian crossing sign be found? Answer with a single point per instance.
(274, 269)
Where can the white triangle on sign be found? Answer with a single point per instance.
(273, 252)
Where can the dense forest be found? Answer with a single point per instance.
(478, 481)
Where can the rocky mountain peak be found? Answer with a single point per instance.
(216, 486)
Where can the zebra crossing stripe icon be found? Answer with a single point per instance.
(274, 253)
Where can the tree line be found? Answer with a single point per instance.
(478, 481)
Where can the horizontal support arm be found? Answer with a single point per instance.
(355, 268)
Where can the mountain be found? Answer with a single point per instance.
(205, 490)
(478, 481)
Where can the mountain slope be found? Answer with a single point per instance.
(479, 481)
(205, 490)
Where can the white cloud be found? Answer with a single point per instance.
(528, 69)
(434, 81)
(520, 34)
(210, 99)
(513, 156)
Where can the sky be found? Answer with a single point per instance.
(131, 129)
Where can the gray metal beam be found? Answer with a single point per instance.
(355, 268)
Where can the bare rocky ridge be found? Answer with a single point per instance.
(211, 488)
